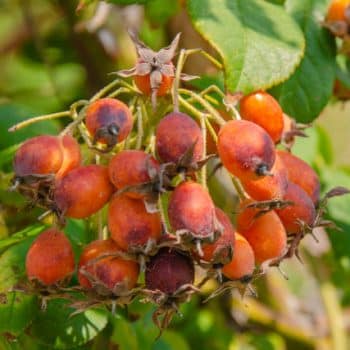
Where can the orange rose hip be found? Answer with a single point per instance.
(110, 271)
(83, 191)
(130, 168)
(108, 120)
(50, 258)
(245, 149)
(131, 226)
(261, 108)
(243, 262)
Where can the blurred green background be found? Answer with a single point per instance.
(50, 56)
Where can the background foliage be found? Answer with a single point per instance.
(52, 55)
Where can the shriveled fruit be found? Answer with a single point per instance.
(50, 258)
(154, 72)
(243, 262)
(221, 251)
(268, 187)
(130, 168)
(246, 149)
(169, 270)
(71, 155)
(39, 155)
(262, 109)
(267, 237)
(108, 120)
(83, 191)
(191, 208)
(143, 82)
(176, 134)
(337, 10)
(131, 226)
(299, 213)
(301, 174)
(111, 271)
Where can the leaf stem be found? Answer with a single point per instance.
(215, 114)
(39, 119)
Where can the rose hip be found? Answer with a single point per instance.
(246, 149)
(108, 270)
(243, 262)
(302, 211)
(301, 174)
(50, 258)
(108, 120)
(176, 134)
(131, 226)
(130, 168)
(169, 270)
(191, 208)
(221, 251)
(83, 191)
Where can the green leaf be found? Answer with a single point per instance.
(56, 327)
(316, 148)
(17, 312)
(343, 70)
(160, 11)
(124, 334)
(259, 43)
(19, 236)
(78, 234)
(309, 89)
(12, 114)
(12, 264)
(171, 340)
(338, 211)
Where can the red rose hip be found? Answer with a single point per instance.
(177, 133)
(169, 270)
(191, 208)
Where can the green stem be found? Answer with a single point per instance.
(39, 119)
(175, 90)
(239, 189)
(213, 112)
(140, 132)
(204, 136)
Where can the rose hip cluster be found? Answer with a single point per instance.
(162, 221)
